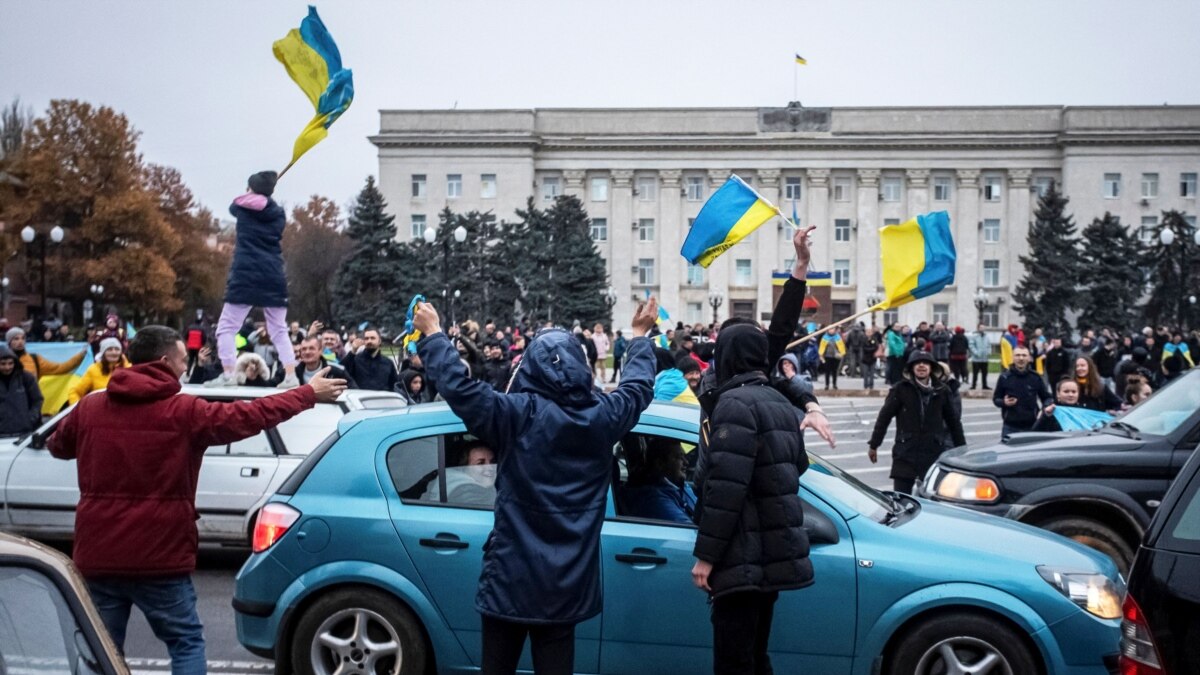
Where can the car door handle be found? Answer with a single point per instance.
(249, 472)
(444, 541)
(641, 559)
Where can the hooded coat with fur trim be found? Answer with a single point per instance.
(925, 418)
(553, 435)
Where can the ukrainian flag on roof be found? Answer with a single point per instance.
(729, 216)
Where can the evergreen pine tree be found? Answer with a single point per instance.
(1111, 279)
(1173, 273)
(530, 248)
(1052, 268)
(367, 283)
(580, 276)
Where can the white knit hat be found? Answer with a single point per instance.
(107, 344)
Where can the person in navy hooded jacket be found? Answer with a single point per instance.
(553, 433)
(256, 279)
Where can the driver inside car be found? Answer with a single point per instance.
(472, 481)
(658, 490)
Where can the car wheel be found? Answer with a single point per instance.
(358, 632)
(962, 643)
(1094, 534)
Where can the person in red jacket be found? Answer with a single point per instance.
(138, 448)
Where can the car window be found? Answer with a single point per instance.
(652, 479)
(1167, 408)
(845, 488)
(257, 445)
(37, 627)
(305, 431)
(454, 470)
(1183, 528)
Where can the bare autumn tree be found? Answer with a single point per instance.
(314, 248)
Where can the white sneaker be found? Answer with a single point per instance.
(222, 380)
(289, 382)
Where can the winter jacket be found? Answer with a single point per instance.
(660, 500)
(256, 277)
(926, 424)
(797, 388)
(980, 348)
(1031, 393)
(1106, 361)
(1057, 364)
(750, 517)
(619, 346)
(138, 448)
(496, 373)
(371, 371)
(960, 347)
(336, 372)
(20, 399)
(1105, 402)
(94, 379)
(939, 345)
(404, 388)
(838, 345)
(40, 366)
(670, 385)
(553, 434)
(263, 378)
(869, 349)
(895, 344)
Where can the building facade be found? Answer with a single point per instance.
(643, 175)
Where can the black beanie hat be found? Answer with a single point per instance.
(263, 183)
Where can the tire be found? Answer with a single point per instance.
(1096, 535)
(328, 635)
(968, 639)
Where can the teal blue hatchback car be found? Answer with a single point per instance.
(367, 561)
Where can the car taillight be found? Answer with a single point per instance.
(1139, 655)
(273, 521)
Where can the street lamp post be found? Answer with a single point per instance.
(873, 298)
(715, 298)
(28, 234)
(4, 297)
(610, 299)
(453, 305)
(430, 236)
(982, 300)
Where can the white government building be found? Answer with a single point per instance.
(644, 173)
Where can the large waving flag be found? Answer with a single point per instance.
(918, 258)
(55, 388)
(312, 60)
(730, 215)
(1079, 419)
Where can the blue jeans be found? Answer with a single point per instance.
(169, 605)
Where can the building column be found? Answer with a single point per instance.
(718, 271)
(672, 232)
(767, 242)
(818, 214)
(621, 237)
(965, 226)
(574, 183)
(866, 270)
(917, 182)
(1016, 223)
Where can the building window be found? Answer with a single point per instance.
(1042, 185)
(645, 229)
(418, 186)
(791, 188)
(841, 189)
(1191, 221)
(891, 221)
(599, 189)
(991, 273)
(695, 312)
(418, 226)
(695, 275)
(487, 186)
(991, 231)
(550, 188)
(743, 274)
(1149, 229)
(691, 222)
(1112, 185)
(891, 317)
(941, 312)
(991, 188)
(991, 316)
(599, 229)
(647, 187)
(453, 185)
(646, 271)
(695, 188)
(841, 229)
(941, 188)
(1149, 186)
(841, 272)
(892, 188)
(1187, 185)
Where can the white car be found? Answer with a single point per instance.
(40, 493)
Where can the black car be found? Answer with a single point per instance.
(1160, 632)
(1100, 488)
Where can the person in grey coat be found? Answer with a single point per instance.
(981, 352)
(939, 342)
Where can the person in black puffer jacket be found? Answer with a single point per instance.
(751, 542)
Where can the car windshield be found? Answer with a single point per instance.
(1166, 409)
(847, 489)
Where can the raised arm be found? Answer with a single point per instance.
(786, 313)
(636, 390)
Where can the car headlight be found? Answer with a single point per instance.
(964, 488)
(1092, 592)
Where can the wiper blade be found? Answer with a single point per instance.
(1128, 428)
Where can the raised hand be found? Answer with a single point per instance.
(426, 319)
(326, 390)
(645, 317)
(800, 240)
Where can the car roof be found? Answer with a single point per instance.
(261, 392)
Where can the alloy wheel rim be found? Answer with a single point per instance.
(963, 655)
(356, 641)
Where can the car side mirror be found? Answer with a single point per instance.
(37, 441)
(819, 527)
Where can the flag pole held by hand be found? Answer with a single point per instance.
(813, 335)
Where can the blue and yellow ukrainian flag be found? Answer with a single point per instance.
(730, 215)
(312, 60)
(56, 387)
(801, 60)
(918, 258)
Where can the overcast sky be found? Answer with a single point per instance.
(199, 81)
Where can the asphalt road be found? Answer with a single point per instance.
(852, 418)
